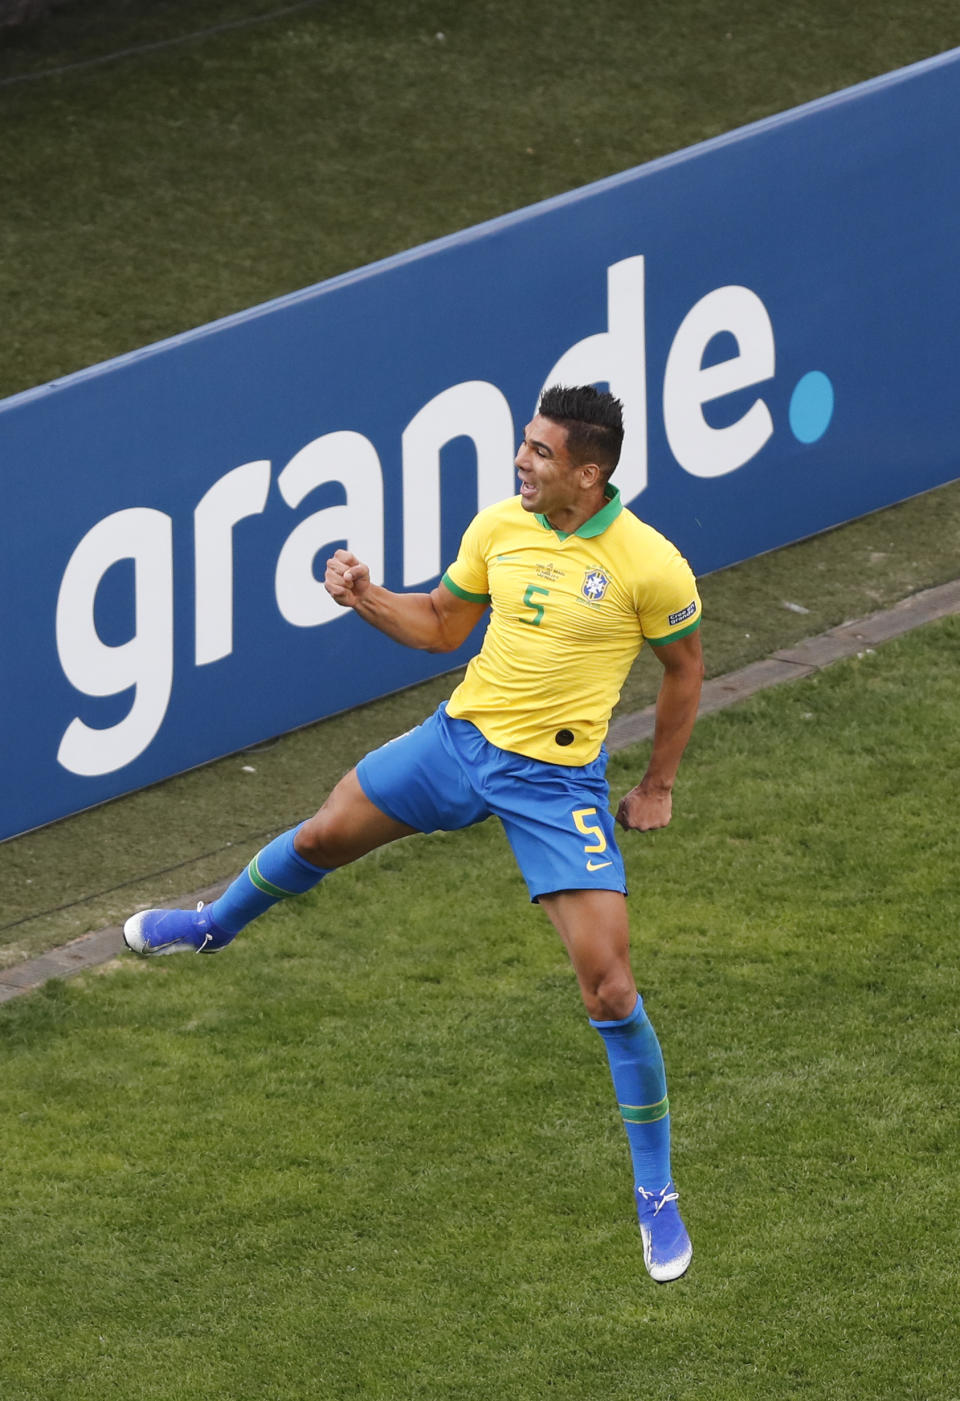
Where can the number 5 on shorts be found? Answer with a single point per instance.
(589, 829)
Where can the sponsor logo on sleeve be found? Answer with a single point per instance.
(683, 615)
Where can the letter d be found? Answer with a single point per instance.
(618, 357)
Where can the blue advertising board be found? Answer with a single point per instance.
(779, 310)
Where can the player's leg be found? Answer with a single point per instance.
(411, 784)
(347, 826)
(595, 932)
(593, 927)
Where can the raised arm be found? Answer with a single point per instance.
(650, 804)
(432, 622)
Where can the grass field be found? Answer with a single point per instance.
(371, 1149)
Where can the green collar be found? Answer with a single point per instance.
(597, 523)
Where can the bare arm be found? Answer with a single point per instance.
(650, 804)
(433, 622)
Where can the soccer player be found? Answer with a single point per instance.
(574, 584)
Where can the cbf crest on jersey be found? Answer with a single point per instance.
(595, 584)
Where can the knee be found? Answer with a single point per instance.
(611, 998)
(316, 842)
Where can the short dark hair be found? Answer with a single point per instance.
(593, 419)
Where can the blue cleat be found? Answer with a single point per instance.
(666, 1246)
(154, 932)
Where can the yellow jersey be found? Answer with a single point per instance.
(569, 613)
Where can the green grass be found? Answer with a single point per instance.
(144, 196)
(371, 1150)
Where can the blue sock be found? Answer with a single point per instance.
(277, 872)
(636, 1064)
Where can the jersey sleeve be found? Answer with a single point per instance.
(670, 605)
(467, 576)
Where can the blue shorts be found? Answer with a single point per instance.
(444, 775)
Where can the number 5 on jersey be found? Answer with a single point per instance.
(530, 602)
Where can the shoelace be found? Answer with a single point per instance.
(664, 1197)
(209, 933)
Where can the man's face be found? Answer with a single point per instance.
(549, 481)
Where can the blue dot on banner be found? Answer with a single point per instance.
(811, 407)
